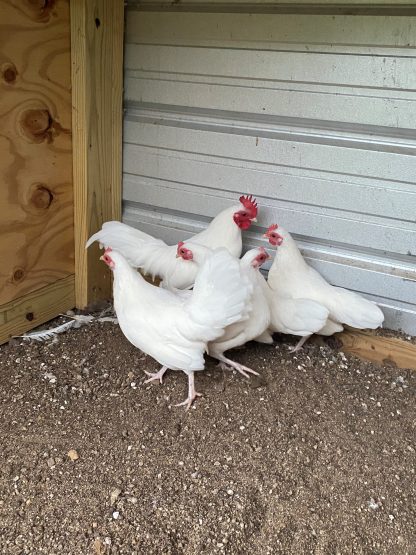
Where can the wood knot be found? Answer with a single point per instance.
(18, 275)
(30, 316)
(41, 9)
(37, 125)
(9, 73)
(42, 197)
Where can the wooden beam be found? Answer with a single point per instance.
(35, 308)
(376, 348)
(97, 31)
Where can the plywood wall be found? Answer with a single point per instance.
(36, 193)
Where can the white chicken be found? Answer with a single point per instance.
(295, 279)
(156, 258)
(172, 329)
(301, 317)
(257, 320)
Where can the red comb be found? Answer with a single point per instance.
(107, 250)
(179, 245)
(250, 204)
(272, 227)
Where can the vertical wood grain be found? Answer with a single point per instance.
(97, 29)
(36, 203)
(36, 193)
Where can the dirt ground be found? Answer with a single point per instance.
(317, 457)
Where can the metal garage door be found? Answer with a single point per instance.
(313, 113)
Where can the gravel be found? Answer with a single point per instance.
(315, 456)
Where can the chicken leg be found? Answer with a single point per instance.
(225, 364)
(299, 344)
(192, 394)
(154, 376)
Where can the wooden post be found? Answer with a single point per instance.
(97, 30)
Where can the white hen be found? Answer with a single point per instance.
(173, 330)
(295, 279)
(156, 258)
(257, 320)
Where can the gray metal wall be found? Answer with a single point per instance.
(315, 115)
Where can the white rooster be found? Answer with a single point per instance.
(257, 320)
(295, 279)
(156, 258)
(172, 329)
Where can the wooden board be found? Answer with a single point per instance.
(35, 308)
(36, 194)
(36, 203)
(230, 3)
(97, 28)
(363, 7)
(380, 349)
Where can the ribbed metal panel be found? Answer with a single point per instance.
(315, 115)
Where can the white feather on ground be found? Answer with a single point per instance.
(76, 321)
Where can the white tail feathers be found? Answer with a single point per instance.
(220, 297)
(121, 237)
(355, 311)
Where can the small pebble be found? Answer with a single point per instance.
(73, 455)
(114, 495)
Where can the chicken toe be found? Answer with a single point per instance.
(228, 364)
(156, 375)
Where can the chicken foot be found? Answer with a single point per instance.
(154, 376)
(225, 364)
(192, 394)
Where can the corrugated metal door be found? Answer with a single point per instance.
(315, 115)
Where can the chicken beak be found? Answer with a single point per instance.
(102, 257)
(265, 235)
(254, 220)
